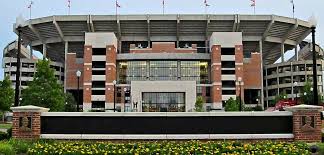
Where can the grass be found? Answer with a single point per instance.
(5, 126)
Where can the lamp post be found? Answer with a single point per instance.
(19, 23)
(313, 22)
(295, 85)
(78, 74)
(114, 82)
(239, 79)
(125, 90)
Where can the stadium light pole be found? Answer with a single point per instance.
(78, 74)
(313, 22)
(19, 23)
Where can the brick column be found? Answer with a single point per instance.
(239, 70)
(87, 77)
(111, 56)
(307, 123)
(216, 67)
(27, 122)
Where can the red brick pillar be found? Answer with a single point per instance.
(307, 123)
(111, 57)
(216, 73)
(87, 78)
(239, 70)
(27, 122)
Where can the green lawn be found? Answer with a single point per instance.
(5, 126)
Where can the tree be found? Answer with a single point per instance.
(199, 104)
(7, 95)
(307, 94)
(70, 103)
(44, 90)
(232, 105)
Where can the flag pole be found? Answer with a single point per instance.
(69, 6)
(163, 7)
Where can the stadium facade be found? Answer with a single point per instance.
(163, 62)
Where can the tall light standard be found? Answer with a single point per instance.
(295, 86)
(78, 74)
(114, 82)
(19, 23)
(239, 79)
(313, 22)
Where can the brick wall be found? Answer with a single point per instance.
(72, 67)
(30, 129)
(306, 135)
(252, 72)
(35, 126)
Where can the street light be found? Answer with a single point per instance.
(239, 79)
(313, 22)
(114, 82)
(78, 74)
(19, 24)
(125, 90)
(295, 85)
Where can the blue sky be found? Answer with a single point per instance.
(10, 9)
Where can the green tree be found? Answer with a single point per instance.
(7, 95)
(44, 90)
(307, 94)
(232, 105)
(199, 104)
(70, 103)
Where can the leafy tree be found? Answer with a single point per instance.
(232, 105)
(199, 104)
(70, 103)
(307, 94)
(7, 95)
(44, 90)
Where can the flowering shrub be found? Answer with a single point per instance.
(168, 147)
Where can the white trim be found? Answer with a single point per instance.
(214, 64)
(90, 64)
(216, 83)
(109, 84)
(238, 64)
(167, 114)
(110, 64)
(87, 83)
(167, 136)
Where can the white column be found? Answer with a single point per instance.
(44, 50)
(31, 51)
(296, 53)
(282, 52)
(262, 89)
(66, 48)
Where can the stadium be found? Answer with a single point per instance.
(163, 63)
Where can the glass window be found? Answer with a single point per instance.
(194, 71)
(163, 70)
(163, 102)
(132, 71)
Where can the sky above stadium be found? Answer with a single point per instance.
(10, 9)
